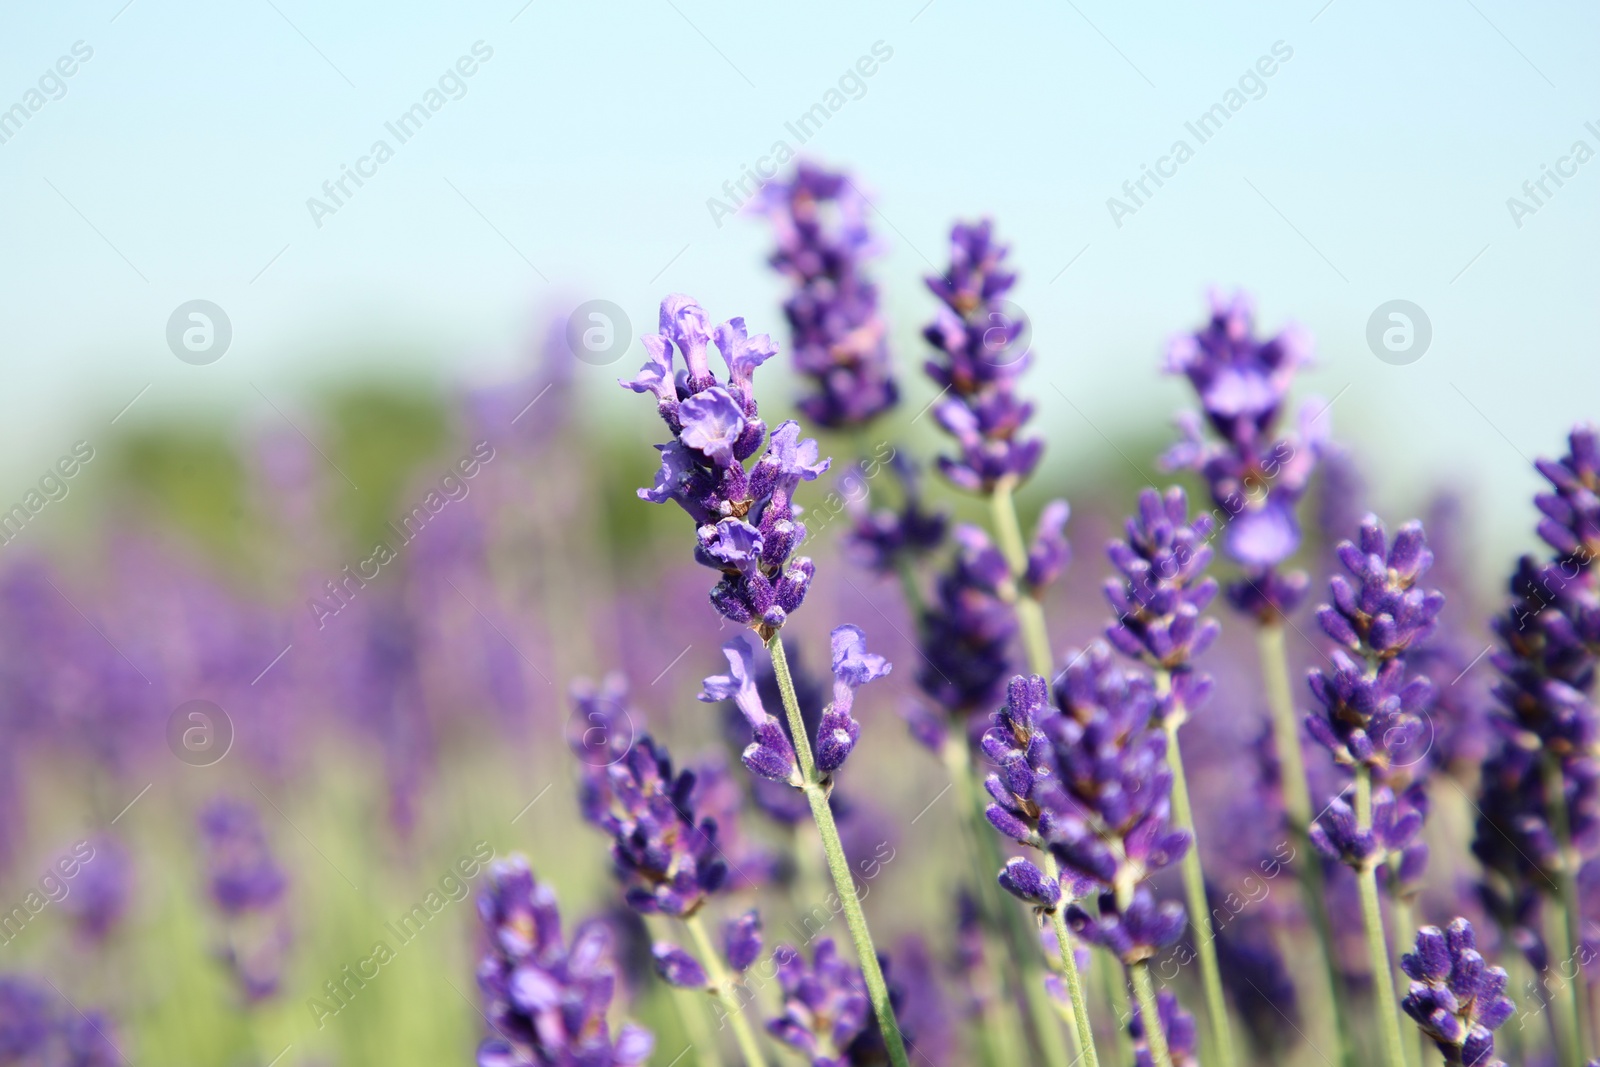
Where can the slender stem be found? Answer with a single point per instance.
(1194, 886)
(1402, 928)
(722, 986)
(979, 839)
(909, 586)
(838, 865)
(1030, 613)
(1377, 945)
(1116, 994)
(1576, 996)
(1069, 971)
(1560, 988)
(1150, 1013)
(1297, 806)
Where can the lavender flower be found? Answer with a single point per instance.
(840, 338)
(663, 848)
(247, 886)
(1395, 825)
(1162, 593)
(676, 967)
(882, 540)
(100, 897)
(1254, 476)
(976, 335)
(965, 638)
(1183, 1041)
(1455, 997)
(1370, 708)
(547, 1002)
(741, 940)
(747, 523)
(824, 1007)
(853, 667)
(770, 753)
(26, 1019)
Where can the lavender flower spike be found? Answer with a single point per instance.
(977, 335)
(840, 338)
(747, 525)
(546, 1001)
(770, 753)
(853, 667)
(1455, 997)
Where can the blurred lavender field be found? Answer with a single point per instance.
(281, 705)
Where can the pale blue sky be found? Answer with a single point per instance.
(1376, 165)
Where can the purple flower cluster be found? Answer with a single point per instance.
(840, 338)
(1162, 593)
(977, 335)
(1369, 708)
(248, 886)
(770, 753)
(747, 525)
(965, 638)
(1548, 723)
(546, 1001)
(1455, 997)
(664, 849)
(827, 1018)
(1254, 475)
(881, 540)
(1396, 823)
(34, 1030)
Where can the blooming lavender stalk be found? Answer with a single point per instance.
(1177, 1027)
(1368, 707)
(247, 885)
(747, 529)
(840, 338)
(1159, 602)
(1456, 999)
(1256, 479)
(546, 1001)
(890, 542)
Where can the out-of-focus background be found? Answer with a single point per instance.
(365, 335)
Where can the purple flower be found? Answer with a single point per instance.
(1455, 997)
(1571, 523)
(1049, 552)
(745, 519)
(1177, 1026)
(1163, 590)
(825, 1006)
(664, 849)
(242, 873)
(600, 732)
(26, 1019)
(1395, 825)
(99, 898)
(881, 540)
(741, 940)
(1132, 933)
(976, 336)
(840, 339)
(546, 1001)
(676, 967)
(770, 753)
(1018, 746)
(1255, 476)
(965, 637)
(853, 667)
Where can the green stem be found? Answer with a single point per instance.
(1372, 920)
(1402, 928)
(817, 795)
(1562, 1001)
(1577, 995)
(909, 587)
(1069, 971)
(1297, 806)
(722, 986)
(1194, 885)
(1030, 613)
(1116, 994)
(1150, 1013)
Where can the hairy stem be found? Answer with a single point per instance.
(1297, 806)
(1069, 971)
(1150, 1013)
(1573, 999)
(1194, 886)
(1377, 944)
(838, 865)
(1402, 928)
(1030, 613)
(722, 986)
